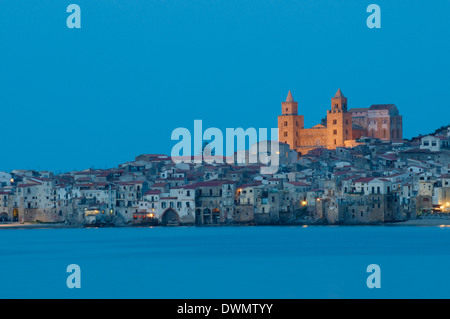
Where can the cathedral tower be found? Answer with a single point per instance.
(290, 123)
(339, 122)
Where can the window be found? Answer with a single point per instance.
(334, 133)
(335, 122)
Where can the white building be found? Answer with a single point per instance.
(434, 143)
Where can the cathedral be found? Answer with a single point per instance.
(340, 128)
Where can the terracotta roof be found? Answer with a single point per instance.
(152, 192)
(159, 185)
(250, 185)
(130, 182)
(28, 185)
(298, 183)
(364, 180)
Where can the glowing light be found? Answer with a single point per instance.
(304, 203)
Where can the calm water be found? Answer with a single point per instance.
(226, 262)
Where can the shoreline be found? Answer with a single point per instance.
(442, 222)
(37, 225)
(422, 222)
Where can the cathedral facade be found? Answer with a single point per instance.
(341, 127)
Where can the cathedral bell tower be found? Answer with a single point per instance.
(290, 123)
(339, 122)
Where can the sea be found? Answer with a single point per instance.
(249, 262)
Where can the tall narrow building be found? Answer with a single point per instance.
(339, 122)
(289, 122)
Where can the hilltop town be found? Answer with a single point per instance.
(354, 168)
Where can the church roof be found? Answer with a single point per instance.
(358, 109)
(339, 93)
(383, 107)
(289, 97)
(357, 127)
(393, 111)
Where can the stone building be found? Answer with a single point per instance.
(361, 209)
(379, 121)
(214, 202)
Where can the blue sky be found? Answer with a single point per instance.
(136, 70)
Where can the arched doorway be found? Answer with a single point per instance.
(215, 216)
(3, 217)
(207, 216)
(198, 216)
(15, 215)
(170, 218)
